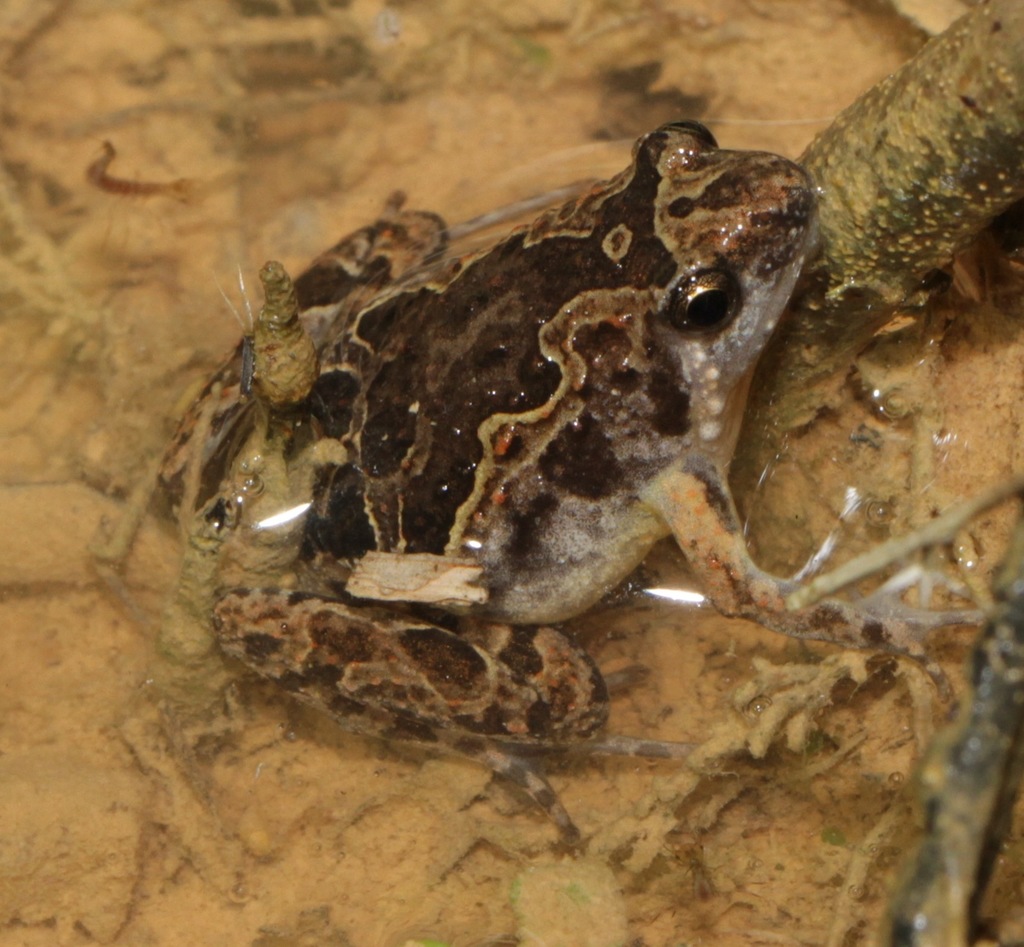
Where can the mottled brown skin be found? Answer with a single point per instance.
(518, 684)
(543, 412)
(337, 284)
(501, 409)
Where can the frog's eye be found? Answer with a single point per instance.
(702, 302)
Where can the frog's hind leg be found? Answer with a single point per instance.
(526, 773)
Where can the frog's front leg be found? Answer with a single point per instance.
(696, 504)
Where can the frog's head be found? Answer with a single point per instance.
(739, 226)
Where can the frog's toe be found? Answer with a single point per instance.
(527, 776)
(892, 624)
(889, 611)
(925, 580)
(635, 746)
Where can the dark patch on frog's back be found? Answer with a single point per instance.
(337, 522)
(331, 401)
(293, 681)
(395, 422)
(580, 460)
(362, 262)
(681, 207)
(603, 345)
(296, 597)
(327, 281)
(437, 350)
(491, 721)
(874, 633)
(538, 719)
(726, 191)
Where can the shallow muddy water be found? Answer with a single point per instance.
(277, 127)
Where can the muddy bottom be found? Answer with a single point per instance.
(266, 130)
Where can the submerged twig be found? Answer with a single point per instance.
(969, 782)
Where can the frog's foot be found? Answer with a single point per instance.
(697, 505)
(525, 770)
(938, 531)
(890, 624)
(888, 609)
(924, 581)
(878, 622)
(529, 777)
(885, 620)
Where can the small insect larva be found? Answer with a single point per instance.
(97, 173)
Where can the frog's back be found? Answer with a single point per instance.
(514, 408)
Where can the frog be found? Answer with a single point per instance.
(421, 466)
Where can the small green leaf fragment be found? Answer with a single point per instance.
(533, 52)
(833, 836)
